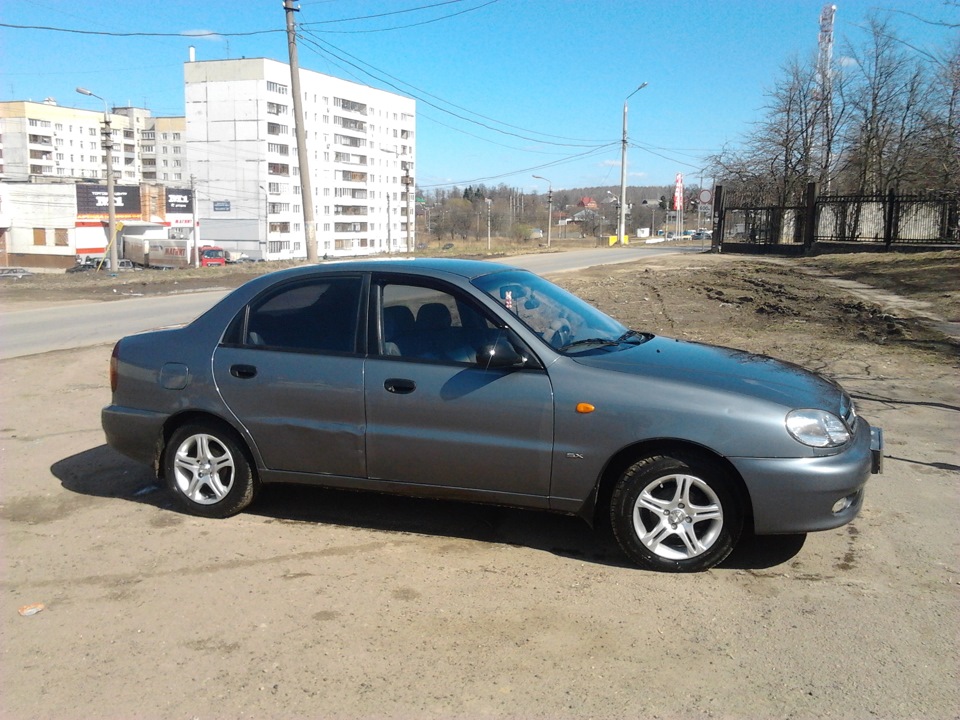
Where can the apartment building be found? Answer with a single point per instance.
(163, 151)
(241, 147)
(47, 142)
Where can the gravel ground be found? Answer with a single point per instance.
(346, 605)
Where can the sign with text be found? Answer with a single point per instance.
(178, 207)
(93, 202)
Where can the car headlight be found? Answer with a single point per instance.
(817, 428)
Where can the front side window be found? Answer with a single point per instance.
(426, 323)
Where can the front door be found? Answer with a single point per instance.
(435, 416)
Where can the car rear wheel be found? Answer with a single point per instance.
(207, 470)
(675, 514)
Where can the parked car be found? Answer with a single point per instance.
(85, 267)
(477, 381)
(14, 273)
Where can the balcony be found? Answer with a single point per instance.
(349, 209)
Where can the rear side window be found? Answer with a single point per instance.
(314, 315)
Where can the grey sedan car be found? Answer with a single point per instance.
(477, 381)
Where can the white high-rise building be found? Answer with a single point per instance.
(242, 154)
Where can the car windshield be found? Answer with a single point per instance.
(563, 320)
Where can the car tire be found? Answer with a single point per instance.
(207, 469)
(675, 514)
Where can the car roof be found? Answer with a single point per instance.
(468, 269)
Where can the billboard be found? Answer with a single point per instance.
(178, 207)
(93, 202)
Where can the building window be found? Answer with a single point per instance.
(39, 236)
(276, 87)
(61, 237)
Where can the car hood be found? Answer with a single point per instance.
(722, 369)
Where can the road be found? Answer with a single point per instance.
(82, 324)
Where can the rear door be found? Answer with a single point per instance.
(291, 370)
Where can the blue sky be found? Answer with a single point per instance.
(524, 87)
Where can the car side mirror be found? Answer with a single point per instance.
(500, 354)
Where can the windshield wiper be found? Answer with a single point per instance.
(588, 341)
(640, 337)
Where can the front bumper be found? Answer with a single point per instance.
(799, 495)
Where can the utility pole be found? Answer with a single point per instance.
(196, 222)
(107, 142)
(111, 195)
(309, 223)
(825, 76)
(408, 184)
(488, 201)
(549, 205)
(622, 215)
(389, 238)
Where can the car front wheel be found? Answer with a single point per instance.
(675, 514)
(207, 470)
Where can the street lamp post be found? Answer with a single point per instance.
(622, 215)
(111, 198)
(549, 205)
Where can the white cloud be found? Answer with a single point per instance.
(203, 35)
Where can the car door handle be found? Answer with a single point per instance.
(244, 372)
(399, 386)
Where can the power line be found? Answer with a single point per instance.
(447, 102)
(106, 33)
(400, 27)
(534, 168)
(319, 46)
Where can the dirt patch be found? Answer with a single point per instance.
(933, 278)
(767, 307)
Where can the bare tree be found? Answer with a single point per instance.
(885, 96)
(939, 146)
(888, 118)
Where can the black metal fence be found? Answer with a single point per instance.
(855, 222)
